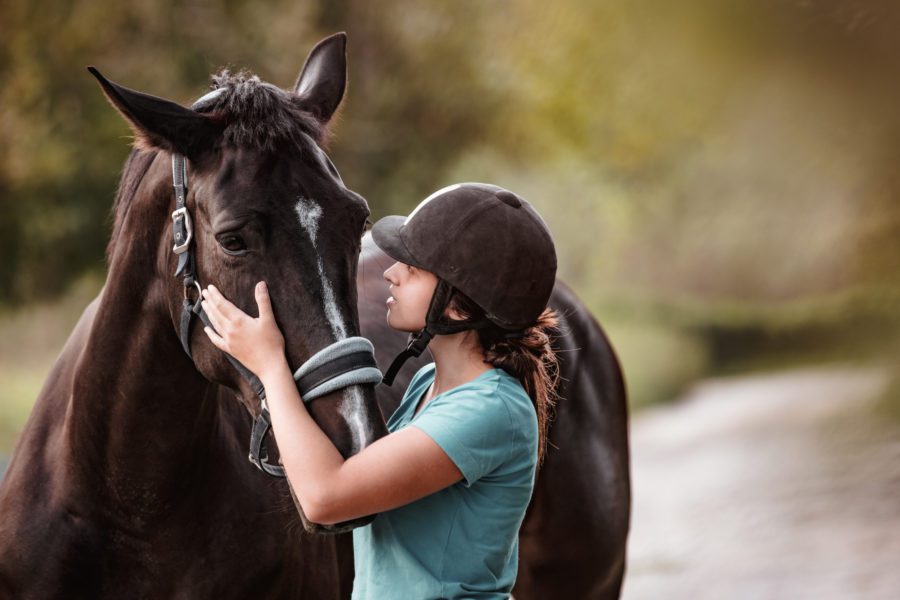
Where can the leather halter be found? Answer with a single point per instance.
(346, 362)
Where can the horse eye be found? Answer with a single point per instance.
(232, 244)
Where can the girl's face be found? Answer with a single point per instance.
(411, 290)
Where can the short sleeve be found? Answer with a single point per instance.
(474, 429)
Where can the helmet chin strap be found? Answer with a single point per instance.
(435, 324)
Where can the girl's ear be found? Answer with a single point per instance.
(162, 124)
(323, 79)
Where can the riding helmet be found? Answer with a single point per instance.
(483, 240)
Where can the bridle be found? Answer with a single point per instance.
(346, 362)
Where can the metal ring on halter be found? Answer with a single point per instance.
(199, 290)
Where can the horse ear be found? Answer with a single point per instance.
(160, 123)
(323, 79)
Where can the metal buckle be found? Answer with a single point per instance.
(196, 284)
(189, 226)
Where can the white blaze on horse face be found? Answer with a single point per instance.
(352, 409)
(353, 406)
(309, 213)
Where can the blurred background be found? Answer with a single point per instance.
(720, 177)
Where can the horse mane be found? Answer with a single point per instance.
(136, 166)
(259, 116)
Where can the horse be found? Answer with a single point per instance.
(572, 542)
(131, 478)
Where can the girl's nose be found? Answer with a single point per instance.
(389, 273)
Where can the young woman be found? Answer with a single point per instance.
(475, 268)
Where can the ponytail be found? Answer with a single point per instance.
(529, 358)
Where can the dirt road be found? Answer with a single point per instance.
(769, 486)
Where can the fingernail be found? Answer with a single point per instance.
(262, 286)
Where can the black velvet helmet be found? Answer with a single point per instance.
(483, 240)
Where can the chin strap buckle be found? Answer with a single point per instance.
(417, 343)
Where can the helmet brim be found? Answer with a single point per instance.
(386, 235)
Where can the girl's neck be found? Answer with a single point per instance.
(458, 359)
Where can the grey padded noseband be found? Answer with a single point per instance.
(342, 364)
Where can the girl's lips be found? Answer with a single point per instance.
(390, 301)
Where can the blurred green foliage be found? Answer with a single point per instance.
(720, 177)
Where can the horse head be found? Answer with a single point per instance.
(266, 203)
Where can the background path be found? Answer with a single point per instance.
(768, 486)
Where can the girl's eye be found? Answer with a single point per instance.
(233, 244)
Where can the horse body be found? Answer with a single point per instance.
(573, 539)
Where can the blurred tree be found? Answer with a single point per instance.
(734, 157)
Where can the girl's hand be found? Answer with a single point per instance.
(257, 343)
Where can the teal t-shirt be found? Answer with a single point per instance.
(462, 541)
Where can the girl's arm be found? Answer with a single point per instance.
(395, 470)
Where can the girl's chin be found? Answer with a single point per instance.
(393, 324)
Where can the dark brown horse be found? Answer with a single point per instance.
(572, 542)
(131, 478)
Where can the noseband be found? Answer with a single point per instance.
(346, 362)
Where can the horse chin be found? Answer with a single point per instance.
(318, 528)
(337, 527)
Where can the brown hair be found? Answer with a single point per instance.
(530, 359)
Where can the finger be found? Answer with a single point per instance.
(226, 308)
(210, 305)
(211, 315)
(217, 340)
(215, 317)
(264, 302)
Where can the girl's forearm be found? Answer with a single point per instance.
(310, 459)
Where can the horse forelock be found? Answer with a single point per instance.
(260, 115)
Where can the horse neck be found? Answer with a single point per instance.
(141, 417)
